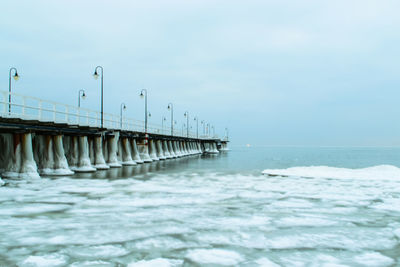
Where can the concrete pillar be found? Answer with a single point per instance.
(112, 150)
(160, 151)
(171, 149)
(213, 148)
(84, 164)
(175, 147)
(126, 152)
(135, 152)
(16, 159)
(144, 151)
(153, 150)
(167, 155)
(99, 162)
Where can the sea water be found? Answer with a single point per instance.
(320, 207)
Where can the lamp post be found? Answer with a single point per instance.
(183, 127)
(197, 130)
(227, 134)
(162, 124)
(95, 76)
(171, 108)
(213, 130)
(208, 129)
(82, 94)
(145, 108)
(123, 107)
(16, 77)
(204, 127)
(187, 121)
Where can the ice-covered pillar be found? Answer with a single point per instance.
(153, 151)
(60, 161)
(16, 157)
(167, 155)
(182, 148)
(171, 149)
(126, 152)
(135, 152)
(99, 162)
(144, 150)
(119, 150)
(160, 152)
(84, 164)
(176, 149)
(112, 143)
(73, 151)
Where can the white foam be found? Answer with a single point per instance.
(373, 259)
(1, 182)
(214, 256)
(160, 262)
(92, 264)
(98, 252)
(381, 172)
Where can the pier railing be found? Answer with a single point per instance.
(33, 108)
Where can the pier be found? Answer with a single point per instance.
(41, 137)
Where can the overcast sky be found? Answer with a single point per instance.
(275, 72)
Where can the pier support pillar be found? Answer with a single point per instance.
(153, 151)
(126, 152)
(112, 146)
(144, 150)
(16, 159)
(135, 152)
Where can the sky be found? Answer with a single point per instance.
(274, 72)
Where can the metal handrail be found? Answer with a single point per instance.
(49, 111)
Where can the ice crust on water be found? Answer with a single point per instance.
(381, 172)
(44, 261)
(205, 219)
(215, 256)
(374, 259)
(160, 262)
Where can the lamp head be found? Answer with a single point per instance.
(149, 114)
(95, 75)
(16, 77)
(141, 94)
(169, 107)
(83, 95)
(124, 107)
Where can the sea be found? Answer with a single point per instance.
(250, 206)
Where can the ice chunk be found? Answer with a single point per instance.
(160, 262)
(44, 261)
(381, 172)
(373, 259)
(214, 256)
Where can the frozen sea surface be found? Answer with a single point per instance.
(200, 212)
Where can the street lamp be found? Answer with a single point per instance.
(208, 129)
(145, 108)
(162, 124)
(183, 127)
(16, 77)
(212, 127)
(187, 119)
(82, 94)
(171, 108)
(197, 122)
(204, 127)
(227, 134)
(123, 107)
(96, 76)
